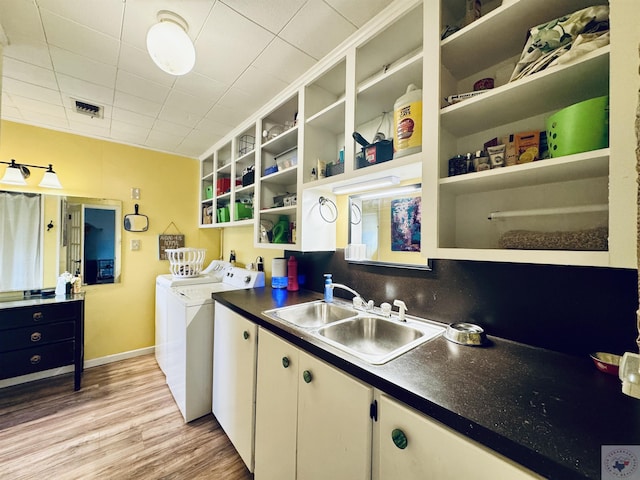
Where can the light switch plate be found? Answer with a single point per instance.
(135, 193)
(135, 244)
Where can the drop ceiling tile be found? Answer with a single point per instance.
(29, 73)
(136, 104)
(44, 120)
(127, 132)
(259, 85)
(228, 44)
(272, 15)
(133, 119)
(359, 12)
(197, 84)
(21, 19)
(77, 38)
(28, 50)
(163, 141)
(171, 128)
(284, 61)
(226, 115)
(141, 87)
(9, 112)
(138, 62)
(197, 105)
(91, 129)
(212, 127)
(244, 104)
(85, 91)
(100, 15)
(83, 68)
(190, 149)
(308, 30)
(28, 90)
(35, 106)
(179, 116)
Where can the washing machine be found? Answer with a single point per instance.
(212, 274)
(189, 342)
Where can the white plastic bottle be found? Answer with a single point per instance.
(328, 290)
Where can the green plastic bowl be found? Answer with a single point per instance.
(579, 128)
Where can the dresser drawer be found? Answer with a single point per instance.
(26, 337)
(30, 360)
(39, 314)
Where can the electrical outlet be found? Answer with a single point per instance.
(135, 193)
(135, 244)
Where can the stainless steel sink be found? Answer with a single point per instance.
(312, 314)
(377, 340)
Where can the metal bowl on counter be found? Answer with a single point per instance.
(465, 334)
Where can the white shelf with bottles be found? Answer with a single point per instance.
(459, 208)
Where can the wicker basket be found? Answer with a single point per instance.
(185, 262)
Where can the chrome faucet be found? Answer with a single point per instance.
(358, 299)
(402, 308)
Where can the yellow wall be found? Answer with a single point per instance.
(119, 317)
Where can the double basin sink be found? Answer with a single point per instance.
(369, 337)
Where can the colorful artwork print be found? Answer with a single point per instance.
(406, 216)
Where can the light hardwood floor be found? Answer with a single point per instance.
(122, 424)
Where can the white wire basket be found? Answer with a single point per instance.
(185, 262)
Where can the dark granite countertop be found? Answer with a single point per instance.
(548, 411)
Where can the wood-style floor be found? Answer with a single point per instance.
(122, 424)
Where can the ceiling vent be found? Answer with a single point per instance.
(93, 111)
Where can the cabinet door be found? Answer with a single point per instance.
(411, 446)
(276, 409)
(334, 427)
(234, 375)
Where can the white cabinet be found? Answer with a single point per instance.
(312, 420)
(570, 193)
(410, 446)
(276, 408)
(234, 378)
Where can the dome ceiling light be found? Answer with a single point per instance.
(169, 44)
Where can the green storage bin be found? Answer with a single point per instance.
(242, 211)
(579, 128)
(223, 214)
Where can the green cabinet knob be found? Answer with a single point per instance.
(306, 375)
(399, 438)
(245, 335)
(285, 362)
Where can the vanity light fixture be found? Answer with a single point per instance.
(367, 185)
(169, 45)
(17, 173)
(391, 192)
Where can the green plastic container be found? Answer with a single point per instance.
(579, 128)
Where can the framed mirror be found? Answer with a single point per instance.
(43, 235)
(385, 228)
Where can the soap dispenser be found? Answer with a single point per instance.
(328, 289)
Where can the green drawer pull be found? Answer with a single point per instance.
(399, 438)
(38, 316)
(306, 375)
(36, 336)
(285, 362)
(245, 335)
(35, 359)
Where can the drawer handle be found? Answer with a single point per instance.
(306, 375)
(36, 336)
(38, 316)
(245, 335)
(399, 438)
(285, 362)
(35, 359)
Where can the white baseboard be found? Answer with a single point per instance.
(94, 362)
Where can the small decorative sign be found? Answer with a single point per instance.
(169, 241)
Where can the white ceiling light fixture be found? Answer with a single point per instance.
(17, 173)
(169, 44)
(367, 185)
